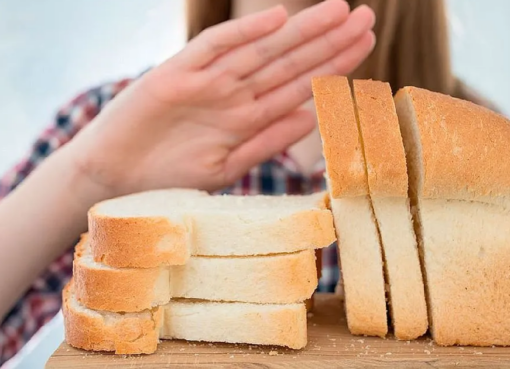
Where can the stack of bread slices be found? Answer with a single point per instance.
(419, 198)
(420, 193)
(186, 265)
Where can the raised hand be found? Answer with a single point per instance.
(228, 101)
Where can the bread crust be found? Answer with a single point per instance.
(464, 148)
(340, 137)
(280, 279)
(139, 242)
(88, 330)
(384, 150)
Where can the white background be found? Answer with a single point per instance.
(52, 49)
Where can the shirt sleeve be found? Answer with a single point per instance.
(69, 120)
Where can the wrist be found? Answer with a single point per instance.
(84, 188)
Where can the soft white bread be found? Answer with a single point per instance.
(466, 249)
(459, 172)
(358, 239)
(135, 333)
(274, 279)
(165, 227)
(388, 185)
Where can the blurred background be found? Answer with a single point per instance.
(52, 49)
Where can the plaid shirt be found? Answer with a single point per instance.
(43, 300)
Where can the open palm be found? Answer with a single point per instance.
(228, 101)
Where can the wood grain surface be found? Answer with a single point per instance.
(330, 345)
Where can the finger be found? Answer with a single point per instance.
(314, 52)
(267, 143)
(301, 28)
(288, 97)
(217, 40)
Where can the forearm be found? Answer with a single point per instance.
(39, 221)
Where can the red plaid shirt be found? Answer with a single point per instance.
(43, 300)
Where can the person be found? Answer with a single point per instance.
(227, 102)
(411, 50)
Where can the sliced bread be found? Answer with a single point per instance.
(460, 182)
(195, 320)
(359, 246)
(166, 227)
(274, 279)
(388, 185)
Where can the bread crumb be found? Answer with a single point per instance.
(361, 341)
(273, 353)
(408, 342)
(294, 357)
(231, 356)
(477, 353)
(427, 352)
(182, 349)
(332, 339)
(461, 348)
(388, 353)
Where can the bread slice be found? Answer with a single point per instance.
(388, 185)
(165, 227)
(460, 178)
(195, 320)
(275, 279)
(358, 239)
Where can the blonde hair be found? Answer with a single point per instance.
(412, 43)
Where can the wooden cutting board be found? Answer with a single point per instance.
(330, 345)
